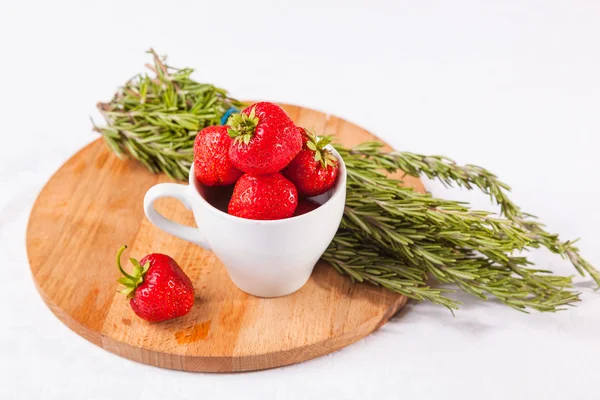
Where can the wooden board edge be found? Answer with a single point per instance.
(182, 362)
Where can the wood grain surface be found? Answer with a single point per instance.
(93, 205)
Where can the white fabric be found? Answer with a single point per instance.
(514, 86)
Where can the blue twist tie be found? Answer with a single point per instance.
(225, 116)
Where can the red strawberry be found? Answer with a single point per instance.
(314, 169)
(263, 197)
(158, 289)
(211, 157)
(304, 135)
(305, 206)
(265, 139)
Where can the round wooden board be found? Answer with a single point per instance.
(93, 205)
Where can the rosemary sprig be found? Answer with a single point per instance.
(471, 176)
(472, 249)
(155, 119)
(390, 236)
(364, 262)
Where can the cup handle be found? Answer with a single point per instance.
(179, 192)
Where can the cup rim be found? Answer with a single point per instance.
(337, 192)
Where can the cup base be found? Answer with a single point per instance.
(271, 291)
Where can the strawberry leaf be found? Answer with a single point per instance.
(137, 268)
(125, 281)
(323, 141)
(242, 125)
(318, 144)
(128, 291)
(232, 134)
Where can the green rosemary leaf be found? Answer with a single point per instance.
(170, 109)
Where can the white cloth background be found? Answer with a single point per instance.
(511, 85)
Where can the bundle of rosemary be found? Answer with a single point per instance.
(155, 120)
(391, 236)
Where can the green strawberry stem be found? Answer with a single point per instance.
(119, 253)
(317, 144)
(131, 282)
(242, 126)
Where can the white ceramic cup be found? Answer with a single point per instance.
(263, 258)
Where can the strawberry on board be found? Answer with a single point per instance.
(265, 139)
(263, 197)
(158, 288)
(314, 170)
(212, 166)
